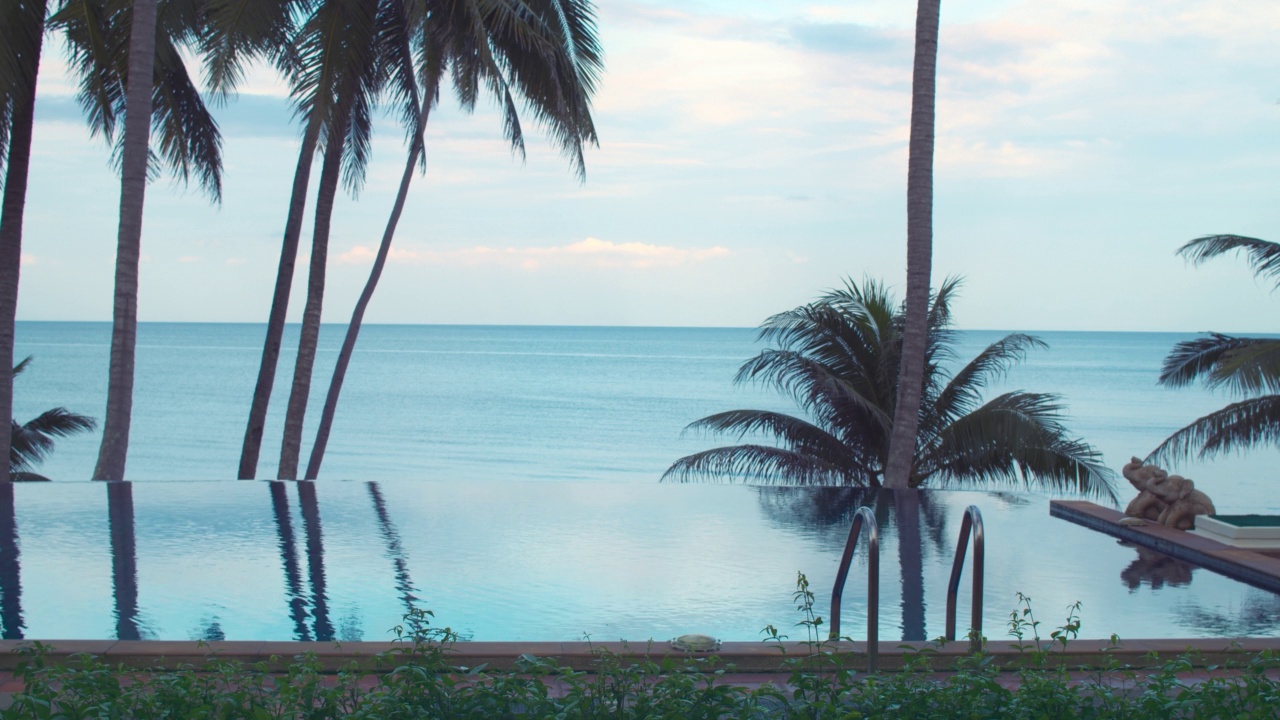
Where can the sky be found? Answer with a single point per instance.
(752, 155)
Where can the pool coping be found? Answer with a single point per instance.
(744, 657)
(1247, 566)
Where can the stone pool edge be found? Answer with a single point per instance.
(743, 656)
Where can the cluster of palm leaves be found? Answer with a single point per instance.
(838, 359)
(342, 60)
(1248, 368)
(31, 442)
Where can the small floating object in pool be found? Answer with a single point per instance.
(1131, 521)
(695, 643)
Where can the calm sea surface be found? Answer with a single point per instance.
(506, 478)
(471, 404)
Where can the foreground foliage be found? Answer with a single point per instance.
(418, 681)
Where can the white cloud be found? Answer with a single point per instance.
(591, 252)
(27, 259)
(187, 259)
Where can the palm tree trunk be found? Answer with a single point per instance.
(357, 316)
(906, 415)
(310, 334)
(133, 187)
(15, 197)
(252, 447)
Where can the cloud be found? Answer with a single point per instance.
(591, 252)
(362, 255)
(190, 259)
(234, 261)
(27, 259)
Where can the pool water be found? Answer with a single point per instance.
(559, 561)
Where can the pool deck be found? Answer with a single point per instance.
(1248, 566)
(744, 657)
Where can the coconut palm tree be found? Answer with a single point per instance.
(342, 71)
(838, 359)
(919, 248)
(22, 34)
(109, 43)
(553, 65)
(31, 442)
(1248, 368)
(97, 34)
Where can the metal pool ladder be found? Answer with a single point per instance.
(862, 516)
(972, 522)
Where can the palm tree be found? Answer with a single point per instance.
(22, 33)
(838, 359)
(1248, 368)
(553, 65)
(31, 442)
(110, 43)
(919, 248)
(341, 71)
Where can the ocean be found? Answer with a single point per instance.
(472, 404)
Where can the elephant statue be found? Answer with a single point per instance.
(1147, 505)
(1184, 500)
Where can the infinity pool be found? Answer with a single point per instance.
(556, 561)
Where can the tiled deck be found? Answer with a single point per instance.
(1247, 566)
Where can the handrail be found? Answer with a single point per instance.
(862, 516)
(972, 522)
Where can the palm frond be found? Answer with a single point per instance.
(21, 27)
(188, 137)
(1263, 255)
(835, 399)
(759, 463)
(1252, 368)
(1238, 426)
(1193, 360)
(235, 32)
(1018, 440)
(32, 442)
(21, 366)
(1241, 365)
(963, 392)
(791, 433)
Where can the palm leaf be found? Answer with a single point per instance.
(1192, 360)
(761, 463)
(31, 443)
(1263, 255)
(963, 392)
(790, 432)
(1240, 425)
(1016, 439)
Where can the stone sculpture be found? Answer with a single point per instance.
(1185, 501)
(1147, 505)
(1170, 500)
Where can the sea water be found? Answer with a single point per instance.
(508, 479)
(595, 404)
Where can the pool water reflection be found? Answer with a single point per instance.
(557, 561)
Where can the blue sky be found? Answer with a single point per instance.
(752, 154)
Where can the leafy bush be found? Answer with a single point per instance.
(417, 680)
